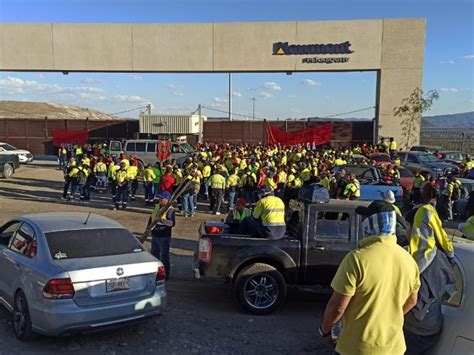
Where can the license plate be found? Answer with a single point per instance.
(115, 285)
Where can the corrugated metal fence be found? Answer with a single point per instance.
(237, 132)
(36, 135)
(460, 139)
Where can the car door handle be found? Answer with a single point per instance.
(318, 248)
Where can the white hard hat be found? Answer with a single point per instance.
(388, 196)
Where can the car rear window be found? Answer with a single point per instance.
(380, 158)
(88, 243)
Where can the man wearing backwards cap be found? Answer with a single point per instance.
(161, 234)
(374, 287)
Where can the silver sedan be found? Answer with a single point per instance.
(64, 273)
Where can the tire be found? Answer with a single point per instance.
(260, 289)
(8, 171)
(21, 318)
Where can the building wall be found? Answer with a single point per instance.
(392, 47)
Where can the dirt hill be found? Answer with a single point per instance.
(40, 110)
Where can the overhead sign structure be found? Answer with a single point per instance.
(283, 48)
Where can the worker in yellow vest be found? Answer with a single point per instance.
(232, 184)
(162, 232)
(239, 212)
(148, 176)
(467, 228)
(352, 189)
(100, 172)
(417, 184)
(112, 175)
(132, 177)
(217, 185)
(392, 145)
(269, 216)
(121, 180)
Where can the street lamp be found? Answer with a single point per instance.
(253, 108)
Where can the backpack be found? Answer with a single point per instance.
(81, 177)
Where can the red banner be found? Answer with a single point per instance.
(163, 150)
(318, 135)
(62, 136)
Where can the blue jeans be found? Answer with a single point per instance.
(62, 162)
(156, 189)
(232, 199)
(148, 191)
(188, 204)
(160, 249)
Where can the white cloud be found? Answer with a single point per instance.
(449, 90)
(92, 81)
(130, 99)
(11, 85)
(175, 89)
(136, 77)
(264, 95)
(236, 93)
(450, 61)
(41, 76)
(469, 57)
(217, 101)
(271, 85)
(309, 82)
(250, 89)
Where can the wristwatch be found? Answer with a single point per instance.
(322, 334)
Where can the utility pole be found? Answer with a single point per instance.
(253, 108)
(230, 96)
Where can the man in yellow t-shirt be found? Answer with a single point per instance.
(374, 287)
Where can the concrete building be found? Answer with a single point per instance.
(394, 48)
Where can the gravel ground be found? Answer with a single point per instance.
(200, 317)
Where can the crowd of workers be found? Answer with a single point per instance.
(254, 183)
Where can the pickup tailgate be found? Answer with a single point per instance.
(219, 255)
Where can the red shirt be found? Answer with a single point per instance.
(167, 181)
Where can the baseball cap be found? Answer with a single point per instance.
(164, 195)
(379, 219)
(240, 202)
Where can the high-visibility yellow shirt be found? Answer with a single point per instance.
(206, 171)
(236, 215)
(132, 172)
(148, 175)
(468, 228)
(121, 176)
(270, 183)
(243, 164)
(100, 167)
(217, 181)
(232, 180)
(393, 145)
(339, 162)
(86, 161)
(427, 234)
(325, 182)
(126, 161)
(379, 277)
(113, 172)
(178, 176)
(305, 174)
(282, 177)
(419, 180)
(271, 210)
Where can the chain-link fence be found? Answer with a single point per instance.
(459, 139)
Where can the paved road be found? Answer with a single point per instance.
(201, 316)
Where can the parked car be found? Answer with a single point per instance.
(381, 158)
(24, 156)
(8, 164)
(459, 206)
(372, 186)
(426, 148)
(64, 273)
(426, 162)
(146, 150)
(457, 336)
(454, 157)
(259, 270)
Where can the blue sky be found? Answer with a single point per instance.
(449, 58)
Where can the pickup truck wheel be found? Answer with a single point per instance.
(260, 289)
(7, 171)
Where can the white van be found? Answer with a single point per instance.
(146, 150)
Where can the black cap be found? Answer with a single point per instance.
(375, 207)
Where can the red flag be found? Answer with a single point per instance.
(63, 136)
(163, 150)
(317, 135)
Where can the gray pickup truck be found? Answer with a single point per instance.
(259, 271)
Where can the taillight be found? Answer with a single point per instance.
(205, 250)
(160, 274)
(58, 288)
